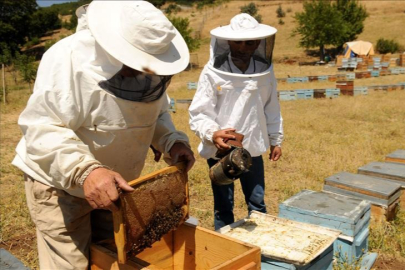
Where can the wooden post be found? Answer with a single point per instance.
(4, 83)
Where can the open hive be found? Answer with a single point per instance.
(281, 239)
(158, 205)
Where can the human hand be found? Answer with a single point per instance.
(275, 153)
(220, 137)
(180, 152)
(100, 188)
(157, 153)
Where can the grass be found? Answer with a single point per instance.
(323, 136)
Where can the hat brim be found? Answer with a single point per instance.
(104, 22)
(260, 32)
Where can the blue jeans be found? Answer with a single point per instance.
(252, 183)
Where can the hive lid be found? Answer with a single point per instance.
(282, 239)
(397, 155)
(327, 205)
(378, 188)
(389, 170)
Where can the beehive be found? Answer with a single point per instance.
(187, 247)
(397, 156)
(383, 195)
(349, 215)
(284, 241)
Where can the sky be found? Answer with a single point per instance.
(47, 3)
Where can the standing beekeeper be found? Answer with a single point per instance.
(237, 92)
(99, 102)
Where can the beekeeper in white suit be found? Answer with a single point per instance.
(237, 91)
(99, 102)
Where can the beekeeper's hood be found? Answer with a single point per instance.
(243, 30)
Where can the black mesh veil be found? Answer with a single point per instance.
(140, 88)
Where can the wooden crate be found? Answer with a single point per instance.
(397, 156)
(383, 195)
(188, 247)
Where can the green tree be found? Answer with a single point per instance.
(319, 25)
(14, 16)
(27, 67)
(353, 15)
(182, 25)
(42, 21)
(252, 10)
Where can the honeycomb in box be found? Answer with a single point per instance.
(153, 209)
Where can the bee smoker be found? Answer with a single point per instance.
(232, 163)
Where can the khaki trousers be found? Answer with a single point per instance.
(64, 226)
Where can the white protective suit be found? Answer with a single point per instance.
(71, 123)
(246, 102)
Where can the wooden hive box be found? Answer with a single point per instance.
(384, 196)
(188, 247)
(285, 242)
(349, 215)
(385, 170)
(287, 95)
(397, 156)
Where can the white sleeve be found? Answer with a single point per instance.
(202, 110)
(165, 132)
(52, 148)
(273, 114)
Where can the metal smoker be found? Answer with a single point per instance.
(232, 163)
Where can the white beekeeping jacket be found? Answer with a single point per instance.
(226, 98)
(71, 122)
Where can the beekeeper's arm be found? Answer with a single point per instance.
(173, 143)
(56, 153)
(274, 120)
(202, 115)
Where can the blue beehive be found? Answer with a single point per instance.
(291, 80)
(349, 215)
(323, 78)
(192, 85)
(375, 73)
(350, 76)
(172, 107)
(332, 92)
(287, 95)
(360, 90)
(305, 93)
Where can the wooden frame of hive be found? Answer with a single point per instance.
(162, 178)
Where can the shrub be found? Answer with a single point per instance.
(280, 12)
(387, 46)
(280, 21)
(252, 10)
(172, 8)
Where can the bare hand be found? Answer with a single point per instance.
(100, 188)
(180, 152)
(275, 153)
(220, 137)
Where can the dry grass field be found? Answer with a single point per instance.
(322, 136)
